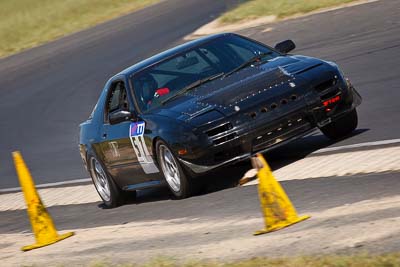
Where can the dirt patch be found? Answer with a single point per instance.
(217, 26)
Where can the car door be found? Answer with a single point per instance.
(122, 146)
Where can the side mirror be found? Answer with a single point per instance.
(285, 46)
(119, 116)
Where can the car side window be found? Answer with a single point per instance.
(117, 99)
(113, 103)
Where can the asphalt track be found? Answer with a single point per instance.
(47, 91)
(310, 195)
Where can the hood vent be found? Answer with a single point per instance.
(309, 68)
(294, 69)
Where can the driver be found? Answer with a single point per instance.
(149, 89)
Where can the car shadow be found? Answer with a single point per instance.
(276, 158)
(155, 194)
(228, 177)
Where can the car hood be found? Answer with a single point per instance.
(225, 96)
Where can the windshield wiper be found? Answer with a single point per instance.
(192, 86)
(248, 63)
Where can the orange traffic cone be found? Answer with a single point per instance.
(42, 224)
(277, 209)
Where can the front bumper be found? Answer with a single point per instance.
(266, 134)
(258, 141)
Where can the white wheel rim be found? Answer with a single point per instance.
(100, 180)
(170, 168)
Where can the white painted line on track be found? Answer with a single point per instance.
(367, 144)
(57, 184)
(344, 164)
(58, 196)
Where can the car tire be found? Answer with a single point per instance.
(179, 183)
(342, 126)
(108, 191)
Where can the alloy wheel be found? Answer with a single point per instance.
(100, 180)
(170, 168)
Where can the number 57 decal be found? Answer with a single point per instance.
(136, 131)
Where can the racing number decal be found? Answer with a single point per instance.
(136, 131)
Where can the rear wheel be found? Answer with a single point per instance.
(341, 127)
(178, 182)
(109, 192)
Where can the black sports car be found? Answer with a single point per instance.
(205, 104)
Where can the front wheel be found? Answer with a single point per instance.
(109, 192)
(177, 181)
(342, 126)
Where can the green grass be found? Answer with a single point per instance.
(28, 23)
(251, 9)
(385, 260)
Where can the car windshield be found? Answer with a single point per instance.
(172, 77)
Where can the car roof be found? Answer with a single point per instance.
(168, 53)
